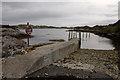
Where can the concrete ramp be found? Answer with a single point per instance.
(26, 64)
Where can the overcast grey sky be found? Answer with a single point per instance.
(85, 12)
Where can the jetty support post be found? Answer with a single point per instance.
(83, 35)
(69, 36)
(76, 34)
(86, 34)
(89, 34)
(79, 39)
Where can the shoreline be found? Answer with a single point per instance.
(107, 35)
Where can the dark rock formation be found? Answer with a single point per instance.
(13, 33)
(10, 41)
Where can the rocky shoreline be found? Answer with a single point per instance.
(12, 42)
(108, 35)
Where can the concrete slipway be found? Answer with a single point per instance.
(26, 64)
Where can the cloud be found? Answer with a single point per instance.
(111, 15)
(22, 11)
(59, 13)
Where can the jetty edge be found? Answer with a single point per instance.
(26, 64)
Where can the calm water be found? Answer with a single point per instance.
(89, 40)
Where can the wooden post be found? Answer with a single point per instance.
(73, 35)
(76, 34)
(69, 36)
(83, 35)
(89, 34)
(79, 39)
(28, 40)
(86, 34)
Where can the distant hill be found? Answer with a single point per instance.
(111, 28)
(117, 23)
(117, 26)
(23, 26)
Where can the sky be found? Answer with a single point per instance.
(68, 13)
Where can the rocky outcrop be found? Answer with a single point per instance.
(10, 41)
(11, 44)
(13, 33)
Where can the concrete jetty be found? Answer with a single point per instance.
(22, 65)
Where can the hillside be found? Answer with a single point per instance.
(111, 28)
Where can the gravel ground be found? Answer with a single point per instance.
(104, 61)
(83, 64)
(53, 72)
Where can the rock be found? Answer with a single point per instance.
(18, 51)
(14, 33)
(38, 76)
(10, 32)
(46, 74)
(11, 45)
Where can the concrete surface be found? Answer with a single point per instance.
(26, 64)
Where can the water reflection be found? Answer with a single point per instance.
(92, 41)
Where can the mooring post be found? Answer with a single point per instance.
(69, 36)
(83, 35)
(76, 34)
(86, 34)
(72, 34)
(89, 34)
(79, 39)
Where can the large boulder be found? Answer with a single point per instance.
(11, 40)
(13, 33)
(10, 43)
(10, 32)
